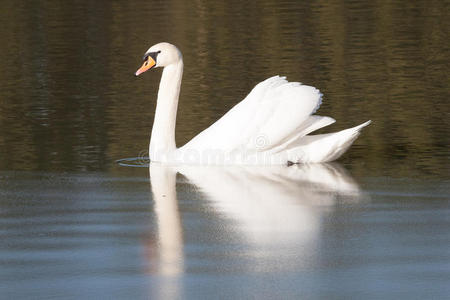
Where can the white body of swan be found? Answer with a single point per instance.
(270, 126)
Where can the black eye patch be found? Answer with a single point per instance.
(153, 55)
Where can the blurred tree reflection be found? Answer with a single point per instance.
(69, 101)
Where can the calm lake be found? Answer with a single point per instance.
(74, 224)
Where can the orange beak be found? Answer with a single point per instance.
(148, 64)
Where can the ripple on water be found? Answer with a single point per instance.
(137, 162)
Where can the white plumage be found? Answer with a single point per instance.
(270, 126)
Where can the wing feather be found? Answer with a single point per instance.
(272, 113)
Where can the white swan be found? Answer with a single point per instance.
(270, 126)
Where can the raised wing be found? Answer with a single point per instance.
(271, 115)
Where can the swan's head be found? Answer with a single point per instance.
(160, 55)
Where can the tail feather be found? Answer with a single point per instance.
(323, 147)
(313, 123)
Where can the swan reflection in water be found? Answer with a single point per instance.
(265, 207)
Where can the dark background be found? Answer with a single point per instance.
(69, 100)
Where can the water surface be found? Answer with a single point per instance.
(74, 224)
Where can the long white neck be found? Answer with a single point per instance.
(162, 141)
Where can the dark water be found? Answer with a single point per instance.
(74, 224)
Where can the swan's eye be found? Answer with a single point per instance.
(152, 55)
